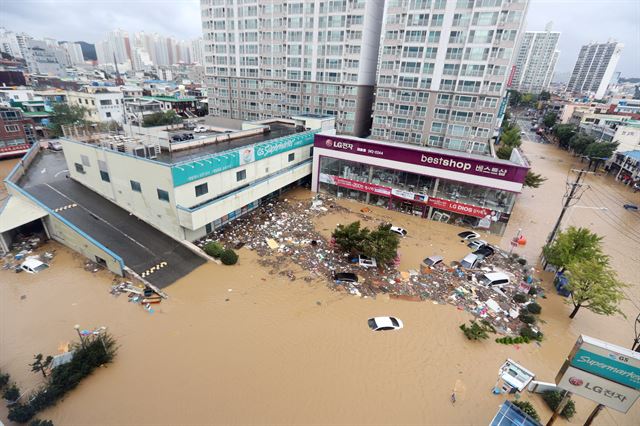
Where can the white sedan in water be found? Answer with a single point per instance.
(397, 230)
(384, 323)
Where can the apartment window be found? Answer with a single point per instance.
(202, 189)
(434, 37)
(431, 52)
(79, 168)
(135, 186)
(108, 115)
(85, 160)
(291, 157)
(11, 128)
(104, 176)
(163, 195)
(241, 175)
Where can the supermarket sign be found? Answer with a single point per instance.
(202, 167)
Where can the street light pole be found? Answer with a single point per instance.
(77, 327)
(636, 329)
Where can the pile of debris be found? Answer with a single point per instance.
(282, 231)
(142, 295)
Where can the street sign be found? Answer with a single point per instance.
(597, 389)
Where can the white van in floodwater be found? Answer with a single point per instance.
(494, 279)
(33, 266)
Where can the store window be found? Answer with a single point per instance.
(135, 186)
(241, 175)
(105, 176)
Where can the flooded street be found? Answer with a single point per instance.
(236, 345)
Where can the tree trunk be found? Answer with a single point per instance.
(575, 311)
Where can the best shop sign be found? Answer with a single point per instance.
(605, 373)
(473, 166)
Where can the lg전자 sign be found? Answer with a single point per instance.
(602, 391)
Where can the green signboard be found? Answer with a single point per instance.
(277, 146)
(191, 171)
(609, 367)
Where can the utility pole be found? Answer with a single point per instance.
(593, 414)
(636, 329)
(574, 188)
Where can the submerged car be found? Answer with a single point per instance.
(201, 129)
(476, 244)
(33, 266)
(400, 231)
(367, 262)
(384, 323)
(484, 251)
(471, 261)
(468, 235)
(345, 277)
(432, 261)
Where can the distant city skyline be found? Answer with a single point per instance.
(579, 21)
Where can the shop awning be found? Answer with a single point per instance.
(15, 212)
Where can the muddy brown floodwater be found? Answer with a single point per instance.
(235, 345)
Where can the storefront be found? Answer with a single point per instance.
(467, 190)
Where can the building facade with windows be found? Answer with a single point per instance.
(536, 60)
(459, 188)
(276, 58)
(594, 68)
(102, 104)
(17, 132)
(190, 188)
(444, 70)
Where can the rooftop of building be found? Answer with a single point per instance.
(170, 98)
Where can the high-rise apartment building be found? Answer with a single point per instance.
(275, 58)
(536, 59)
(594, 68)
(73, 52)
(444, 70)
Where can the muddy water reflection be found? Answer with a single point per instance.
(235, 345)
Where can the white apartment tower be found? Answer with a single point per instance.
(444, 71)
(594, 68)
(536, 60)
(278, 58)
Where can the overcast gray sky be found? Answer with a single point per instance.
(580, 21)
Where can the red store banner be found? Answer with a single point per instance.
(452, 206)
(356, 185)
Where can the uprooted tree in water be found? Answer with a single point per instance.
(381, 243)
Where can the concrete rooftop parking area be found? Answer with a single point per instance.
(140, 245)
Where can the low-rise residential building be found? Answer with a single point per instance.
(626, 166)
(103, 104)
(17, 132)
(189, 188)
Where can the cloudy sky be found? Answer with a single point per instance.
(580, 21)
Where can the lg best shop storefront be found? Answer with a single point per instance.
(467, 190)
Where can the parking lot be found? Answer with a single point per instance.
(140, 245)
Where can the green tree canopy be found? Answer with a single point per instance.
(514, 97)
(511, 136)
(574, 244)
(564, 133)
(594, 286)
(579, 143)
(161, 119)
(381, 243)
(533, 180)
(504, 152)
(66, 115)
(544, 95)
(549, 119)
(601, 149)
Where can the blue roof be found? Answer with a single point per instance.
(510, 415)
(632, 154)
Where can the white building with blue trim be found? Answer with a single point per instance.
(198, 185)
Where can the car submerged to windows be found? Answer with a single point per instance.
(345, 277)
(432, 261)
(33, 266)
(468, 235)
(397, 230)
(384, 323)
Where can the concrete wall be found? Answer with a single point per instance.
(63, 233)
(122, 169)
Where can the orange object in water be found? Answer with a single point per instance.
(522, 240)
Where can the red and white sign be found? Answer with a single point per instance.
(408, 195)
(452, 206)
(356, 185)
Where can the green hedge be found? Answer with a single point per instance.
(229, 257)
(214, 249)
